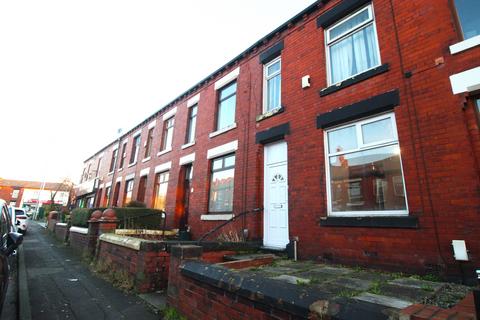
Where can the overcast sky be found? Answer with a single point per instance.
(73, 72)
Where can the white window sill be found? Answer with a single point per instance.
(226, 129)
(132, 164)
(216, 217)
(465, 45)
(356, 214)
(269, 114)
(164, 152)
(187, 145)
(110, 173)
(146, 159)
(121, 169)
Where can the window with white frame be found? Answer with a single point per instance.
(227, 100)
(272, 85)
(352, 46)
(148, 144)
(113, 161)
(192, 124)
(221, 184)
(128, 192)
(364, 171)
(168, 133)
(135, 147)
(468, 17)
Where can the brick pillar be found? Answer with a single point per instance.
(93, 232)
(178, 255)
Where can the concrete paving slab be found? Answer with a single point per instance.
(416, 283)
(316, 276)
(156, 300)
(292, 279)
(252, 256)
(352, 283)
(383, 300)
(35, 272)
(277, 270)
(337, 271)
(406, 293)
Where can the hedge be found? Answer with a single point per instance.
(80, 216)
(139, 218)
(129, 218)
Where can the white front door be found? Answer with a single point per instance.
(275, 224)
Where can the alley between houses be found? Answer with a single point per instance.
(61, 286)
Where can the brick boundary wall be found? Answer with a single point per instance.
(206, 291)
(79, 240)
(146, 262)
(61, 231)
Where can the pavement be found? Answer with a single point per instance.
(60, 285)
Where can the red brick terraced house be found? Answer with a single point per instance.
(354, 125)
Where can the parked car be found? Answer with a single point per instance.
(20, 219)
(9, 241)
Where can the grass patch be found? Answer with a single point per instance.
(428, 277)
(349, 293)
(302, 282)
(427, 288)
(375, 288)
(119, 278)
(170, 313)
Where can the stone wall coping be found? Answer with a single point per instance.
(128, 242)
(293, 299)
(61, 224)
(133, 243)
(79, 230)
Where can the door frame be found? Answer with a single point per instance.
(266, 209)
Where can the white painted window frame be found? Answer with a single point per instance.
(329, 42)
(362, 147)
(266, 78)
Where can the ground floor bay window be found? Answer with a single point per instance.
(364, 171)
(221, 184)
(160, 191)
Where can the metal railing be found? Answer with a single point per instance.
(223, 224)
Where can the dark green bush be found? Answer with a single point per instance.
(136, 204)
(80, 216)
(139, 218)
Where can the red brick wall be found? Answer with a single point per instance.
(438, 137)
(197, 300)
(149, 269)
(61, 232)
(79, 242)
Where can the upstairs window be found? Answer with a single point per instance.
(148, 145)
(221, 184)
(135, 147)
(272, 85)
(168, 133)
(123, 155)
(468, 14)
(352, 46)
(364, 171)
(114, 160)
(99, 164)
(227, 100)
(192, 124)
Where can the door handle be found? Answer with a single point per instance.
(278, 206)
